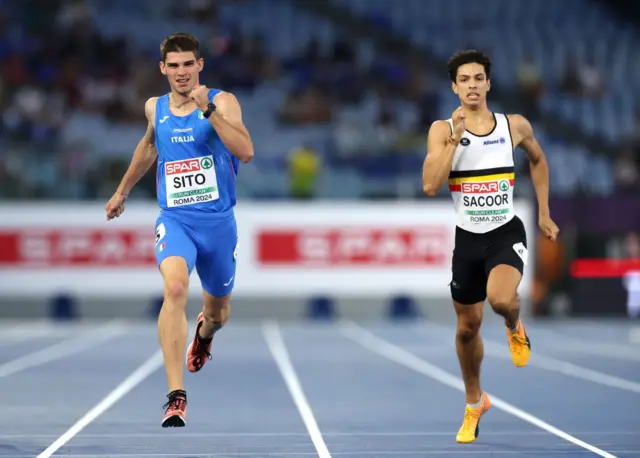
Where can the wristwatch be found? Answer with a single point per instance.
(210, 109)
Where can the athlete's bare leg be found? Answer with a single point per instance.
(469, 347)
(214, 315)
(172, 322)
(215, 311)
(502, 293)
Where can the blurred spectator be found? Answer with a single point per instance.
(304, 167)
(73, 86)
(583, 79)
(631, 245)
(386, 130)
(626, 171)
(531, 86)
(350, 138)
(310, 105)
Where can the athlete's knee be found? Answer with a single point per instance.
(469, 322)
(468, 330)
(176, 290)
(502, 300)
(502, 288)
(176, 280)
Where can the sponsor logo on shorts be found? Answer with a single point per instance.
(160, 232)
(521, 251)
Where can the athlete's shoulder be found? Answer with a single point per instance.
(519, 123)
(150, 108)
(516, 118)
(440, 127)
(222, 96)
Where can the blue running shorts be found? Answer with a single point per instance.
(208, 244)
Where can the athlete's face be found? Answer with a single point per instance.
(181, 69)
(471, 84)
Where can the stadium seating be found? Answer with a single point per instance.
(512, 31)
(429, 23)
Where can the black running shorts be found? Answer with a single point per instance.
(475, 255)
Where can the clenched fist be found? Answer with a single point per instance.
(548, 227)
(200, 95)
(115, 206)
(458, 118)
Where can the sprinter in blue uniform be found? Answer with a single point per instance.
(198, 138)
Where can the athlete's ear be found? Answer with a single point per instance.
(488, 85)
(454, 87)
(200, 64)
(163, 69)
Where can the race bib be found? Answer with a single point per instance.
(191, 181)
(487, 202)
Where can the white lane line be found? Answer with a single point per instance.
(394, 353)
(134, 379)
(278, 349)
(365, 453)
(497, 350)
(634, 335)
(62, 349)
(510, 432)
(570, 344)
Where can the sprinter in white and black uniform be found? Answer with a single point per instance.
(474, 150)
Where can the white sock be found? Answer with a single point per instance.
(477, 404)
(517, 327)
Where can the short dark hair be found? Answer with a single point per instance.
(179, 42)
(469, 56)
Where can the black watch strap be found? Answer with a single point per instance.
(210, 109)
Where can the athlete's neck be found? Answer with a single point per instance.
(180, 101)
(476, 112)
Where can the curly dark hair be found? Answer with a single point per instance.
(469, 56)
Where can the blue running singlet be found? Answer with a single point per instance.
(196, 194)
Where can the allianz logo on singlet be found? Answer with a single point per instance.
(500, 140)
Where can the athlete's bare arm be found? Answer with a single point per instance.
(143, 158)
(523, 136)
(145, 153)
(227, 121)
(441, 146)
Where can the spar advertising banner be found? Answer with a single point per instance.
(293, 249)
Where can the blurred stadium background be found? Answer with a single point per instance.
(338, 96)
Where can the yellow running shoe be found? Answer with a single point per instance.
(519, 345)
(470, 429)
